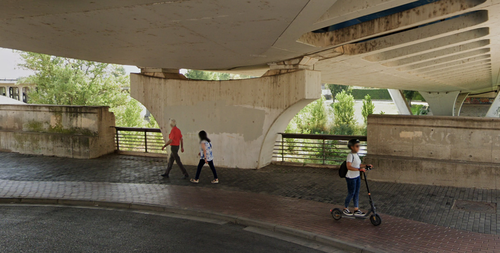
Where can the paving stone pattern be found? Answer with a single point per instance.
(429, 204)
(275, 212)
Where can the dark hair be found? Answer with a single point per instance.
(352, 142)
(203, 136)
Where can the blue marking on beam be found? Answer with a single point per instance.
(375, 15)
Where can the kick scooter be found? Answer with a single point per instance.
(375, 219)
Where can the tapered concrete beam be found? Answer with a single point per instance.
(400, 102)
(402, 20)
(494, 111)
(459, 103)
(242, 117)
(441, 103)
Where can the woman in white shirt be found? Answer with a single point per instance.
(206, 156)
(353, 178)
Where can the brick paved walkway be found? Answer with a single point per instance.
(394, 235)
(429, 204)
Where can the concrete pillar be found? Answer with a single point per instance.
(242, 117)
(400, 101)
(458, 104)
(441, 103)
(494, 111)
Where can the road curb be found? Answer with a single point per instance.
(197, 213)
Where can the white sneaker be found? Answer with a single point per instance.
(347, 212)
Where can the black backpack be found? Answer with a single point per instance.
(343, 168)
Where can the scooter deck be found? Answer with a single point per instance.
(356, 217)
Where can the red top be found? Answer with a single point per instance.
(176, 136)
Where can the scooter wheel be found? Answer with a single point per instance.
(375, 219)
(336, 214)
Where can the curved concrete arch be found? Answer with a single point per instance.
(279, 125)
(240, 116)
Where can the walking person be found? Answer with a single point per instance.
(174, 140)
(206, 156)
(353, 178)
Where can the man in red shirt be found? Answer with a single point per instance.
(174, 140)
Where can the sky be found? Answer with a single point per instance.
(9, 68)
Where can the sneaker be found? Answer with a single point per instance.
(347, 212)
(359, 213)
(164, 175)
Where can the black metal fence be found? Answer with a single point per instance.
(290, 148)
(146, 140)
(315, 148)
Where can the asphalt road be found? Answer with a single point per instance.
(67, 229)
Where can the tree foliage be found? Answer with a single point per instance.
(345, 123)
(368, 108)
(64, 81)
(312, 119)
(338, 88)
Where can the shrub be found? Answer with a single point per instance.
(368, 107)
(344, 114)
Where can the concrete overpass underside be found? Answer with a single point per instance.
(446, 49)
(446, 45)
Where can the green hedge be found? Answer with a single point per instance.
(379, 94)
(376, 94)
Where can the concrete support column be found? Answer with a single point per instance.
(400, 101)
(494, 111)
(458, 104)
(241, 117)
(441, 103)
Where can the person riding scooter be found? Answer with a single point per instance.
(353, 178)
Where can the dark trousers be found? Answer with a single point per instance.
(175, 156)
(200, 165)
(353, 185)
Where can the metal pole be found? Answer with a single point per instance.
(117, 140)
(324, 153)
(282, 149)
(145, 141)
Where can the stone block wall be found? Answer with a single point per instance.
(64, 131)
(448, 151)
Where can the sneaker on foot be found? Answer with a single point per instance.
(185, 177)
(347, 212)
(164, 175)
(359, 213)
(194, 181)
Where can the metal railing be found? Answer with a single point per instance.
(315, 148)
(146, 140)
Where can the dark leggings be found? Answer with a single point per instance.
(200, 165)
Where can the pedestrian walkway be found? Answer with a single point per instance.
(394, 235)
(430, 204)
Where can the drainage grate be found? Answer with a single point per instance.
(475, 206)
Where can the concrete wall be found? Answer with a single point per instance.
(65, 131)
(474, 110)
(448, 151)
(242, 117)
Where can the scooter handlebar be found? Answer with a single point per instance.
(368, 168)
